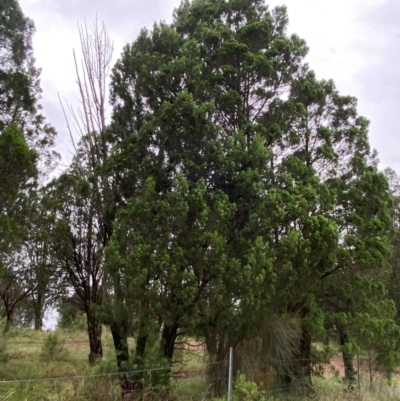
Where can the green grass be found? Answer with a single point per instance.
(24, 348)
(25, 363)
(191, 389)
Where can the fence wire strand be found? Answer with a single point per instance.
(214, 375)
(175, 374)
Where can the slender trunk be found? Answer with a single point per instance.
(38, 310)
(211, 339)
(141, 342)
(38, 322)
(303, 373)
(298, 376)
(9, 322)
(140, 347)
(139, 379)
(94, 331)
(349, 372)
(218, 349)
(168, 339)
(38, 301)
(120, 338)
(167, 347)
(370, 367)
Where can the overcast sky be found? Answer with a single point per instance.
(354, 42)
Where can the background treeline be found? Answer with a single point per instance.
(232, 197)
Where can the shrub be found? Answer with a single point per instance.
(246, 390)
(53, 348)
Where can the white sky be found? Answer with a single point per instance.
(354, 42)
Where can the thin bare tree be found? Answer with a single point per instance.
(87, 228)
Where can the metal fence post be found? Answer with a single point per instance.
(358, 371)
(27, 386)
(230, 373)
(151, 382)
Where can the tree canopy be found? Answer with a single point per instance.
(232, 188)
(246, 186)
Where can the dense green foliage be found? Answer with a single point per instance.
(17, 167)
(26, 158)
(248, 187)
(231, 189)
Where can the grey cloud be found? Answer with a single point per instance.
(379, 81)
(385, 16)
(53, 111)
(122, 17)
(377, 84)
(381, 78)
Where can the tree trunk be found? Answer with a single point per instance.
(140, 378)
(371, 378)
(218, 351)
(349, 372)
(168, 339)
(141, 342)
(298, 378)
(120, 338)
(167, 347)
(38, 322)
(9, 322)
(94, 331)
(39, 299)
(140, 347)
(38, 310)
(303, 363)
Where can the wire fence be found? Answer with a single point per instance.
(180, 382)
(147, 382)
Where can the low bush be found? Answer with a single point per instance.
(54, 349)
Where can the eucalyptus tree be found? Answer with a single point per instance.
(78, 247)
(26, 140)
(20, 84)
(17, 167)
(15, 287)
(81, 194)
(32, 280)
(44, 269)
(26, 152)
(16, 32)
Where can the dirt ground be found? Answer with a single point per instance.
(338, 366)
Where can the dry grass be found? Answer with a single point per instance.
(24, 347)
(25, 363)
(67, 380)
